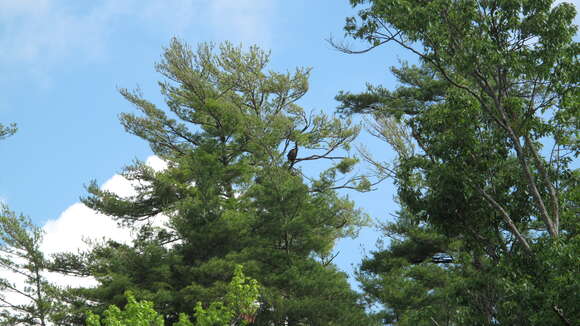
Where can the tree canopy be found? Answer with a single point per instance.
(239, 308)
(485, 208)
(240, 226)
(229, 196)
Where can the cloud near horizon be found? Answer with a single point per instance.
(78, 223)
(68, 232)
(75, 225)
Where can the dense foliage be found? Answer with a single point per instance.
(485, 128)
(239, 308)
(489, 217)
(230, 195)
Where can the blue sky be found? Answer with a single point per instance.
(61, 62)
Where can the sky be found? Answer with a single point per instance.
(62, 61)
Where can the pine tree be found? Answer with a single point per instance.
(230, 196)
(26, 297)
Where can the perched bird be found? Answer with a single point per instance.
(292, 155)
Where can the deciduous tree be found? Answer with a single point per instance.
(485, 130)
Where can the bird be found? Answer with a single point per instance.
(292, 155)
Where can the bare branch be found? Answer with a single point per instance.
(547, 181)
(506, 218)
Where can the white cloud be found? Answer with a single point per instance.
(16, 7)
(39, 34)
(47, 32)
(156, 163)
(78, 223)
(120, 186)
(68, 234)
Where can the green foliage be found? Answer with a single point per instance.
(452, 259)
(229, 196)
(241, 302)
(482, 202)
(6, 131)
(26, 297)
(135, 314)
(242, 294)
(215, 314)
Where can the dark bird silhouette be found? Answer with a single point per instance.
(292, 155)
